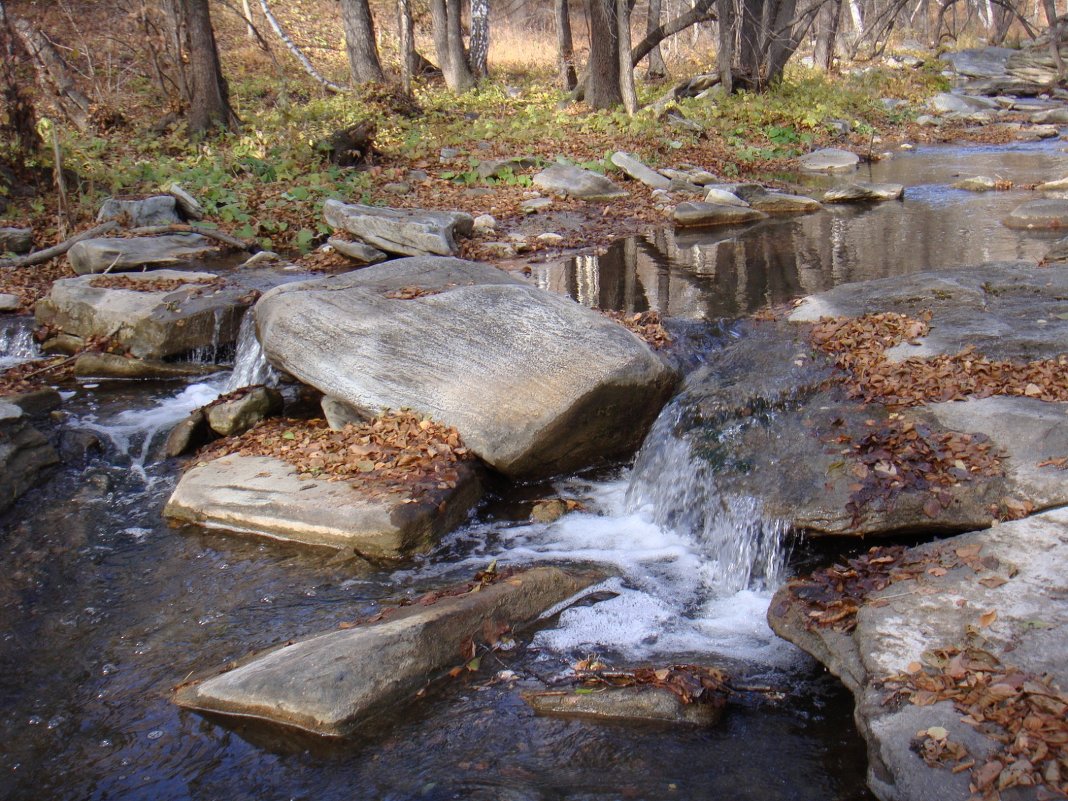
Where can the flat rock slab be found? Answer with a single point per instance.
(25, 455)
(1027, 560)
(407, 232)
(264, 496)
(156, 210)
(1047, 213)
(1052, 116)
(633, 167)
(359, 252)
(330, 683)
(535, 383)
(150, 325)
(783, 203)
(977, 183)
(693, 214)
(112, 365)
(568, 181)
(864, 192)
(765, 419)
(115, 254)
(979, 62)
(829, 159)
(16, 240)
(946, 103)
(634, 704)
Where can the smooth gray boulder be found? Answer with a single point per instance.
(863, 191)
(16, 240)
(359, 252)
(190, 434)
(829, 159)
(331, 683)
(136, 213)
(709, 214)
(568, 181)
(25, 455)
(979, 62)
(1052, 116)
(633, 167)
(339, 414)
(201, 313)
(1046, 213)
(234, 416)
(722, 197)
(783, 203)
(535, 383)
(407, 232)
(947, 103)
(1008, 590)
(775, 431)
(115, 254)
(264, 496)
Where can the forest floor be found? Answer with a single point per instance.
(268, 180)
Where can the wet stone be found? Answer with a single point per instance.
(829, 159)
(235, 416)
(634, 704)
(1047, 213)
(709, 214)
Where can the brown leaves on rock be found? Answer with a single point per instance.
(1025, 714)
(200, 285)
(646, 325)
(859, 347)
(396, 452)
(902, 455)
(412, 292)
(691, 684)
(32, 376)
(30, 285)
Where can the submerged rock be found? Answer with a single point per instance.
(624, 704)
(330, 683)
(180, 312)
(25, 455)
(863, 191)
(562, 179)
(1004, 585)
(408, 232)
(264, 496)
(113, 365)
(115, 254)
(978, 183)
(535, 383)
(1046, 213)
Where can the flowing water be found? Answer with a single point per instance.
(103, 608)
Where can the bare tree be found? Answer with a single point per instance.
(449, 44)
(406, 33)
(827, 34)
(565, 45)
(626, 69)
(602, 86)
(480, 37)
(360, 45)
(655, 67)
(197, 58)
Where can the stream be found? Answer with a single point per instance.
(104, 608)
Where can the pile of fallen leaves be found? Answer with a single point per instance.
(833, 595)
(33, 283)
(413, 292)
(1025, 713)
(31, 376)
(691, 684)
(646, 325)
(859, 347)
(155, 284)
(902, 455)
(394, 452)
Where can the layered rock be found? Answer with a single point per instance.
(534, 383)
(115, 254)
(568, 181)
(406, 232)
(25, 455)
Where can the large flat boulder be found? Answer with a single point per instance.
(534, 383)
(983, 613)
(864, 192)
(702, 214)
(829, 159)
(25, 455)
(568, 181)
(152, 314)
(331, 683)
(264, 496)
(1046, 213)
(634, 167)
(761, 411)
(407, 232)
(116, 254)
(979, 62)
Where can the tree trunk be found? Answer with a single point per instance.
(206, 89)
(655, 68)
(725, 52)
(291, 46)
(626, 71)
(449, 44)
(603, 89)
(827, 33)
(19, 125)
(246, 12)
(364, 66)
(53, 74)
(407, 44)
(1050, 7)
(565, 45)
(480, 33)
(750, 44)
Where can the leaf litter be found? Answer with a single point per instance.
(647, 325)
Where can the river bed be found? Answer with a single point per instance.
(103, 608)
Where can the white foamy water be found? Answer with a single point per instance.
(17, 345)
(250, 362)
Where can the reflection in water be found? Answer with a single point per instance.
(724, 272)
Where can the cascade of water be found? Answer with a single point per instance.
(250, 362)
(17, 345)
(678, 491)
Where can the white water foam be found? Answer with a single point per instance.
(17, 345)
(250, 362)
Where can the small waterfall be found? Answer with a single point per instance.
(250, 362)
(17, 345)
(678, 491)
